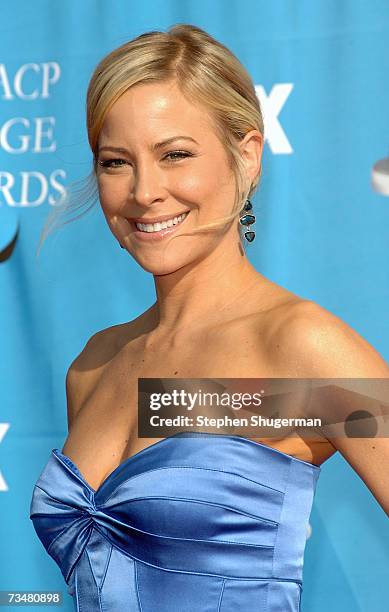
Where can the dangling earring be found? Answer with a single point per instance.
(247, 220)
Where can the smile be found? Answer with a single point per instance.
(157, 227)
(157, 231)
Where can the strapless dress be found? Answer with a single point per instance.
(196, 522)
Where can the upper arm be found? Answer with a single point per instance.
(326, 347)
(71, 394)
(81, 375)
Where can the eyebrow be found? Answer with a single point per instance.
(154, 147)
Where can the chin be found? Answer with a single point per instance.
(167, 259)
(156, 263)
(161, 268)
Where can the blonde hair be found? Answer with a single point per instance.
(205, 72)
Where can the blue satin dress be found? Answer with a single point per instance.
(196, 522)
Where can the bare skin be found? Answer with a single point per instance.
(215, 316)
(102, 383)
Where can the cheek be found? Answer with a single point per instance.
(113, 196)
(211, 189)
(113, 192)
(200, 184)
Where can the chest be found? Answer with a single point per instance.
(108, 418)
(214, 356)
(108, 414)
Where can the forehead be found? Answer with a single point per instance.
(148, 108)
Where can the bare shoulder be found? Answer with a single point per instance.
(97, 350)
(320, 344)
(88, 365)
(324, 346)
(82, 371)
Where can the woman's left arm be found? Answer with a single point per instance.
(327, 347)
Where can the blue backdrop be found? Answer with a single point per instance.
(321, 72)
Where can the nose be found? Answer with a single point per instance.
(149, 185)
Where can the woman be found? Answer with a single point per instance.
(191, 522)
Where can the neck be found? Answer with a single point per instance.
(196, 293)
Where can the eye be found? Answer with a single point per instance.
(171, 157)
(180, 154)
(111, 163)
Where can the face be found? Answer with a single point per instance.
(160, 162)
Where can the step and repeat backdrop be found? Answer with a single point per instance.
(321, 74)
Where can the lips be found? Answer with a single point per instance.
(155, 231)
(158, 219)
(160, 225)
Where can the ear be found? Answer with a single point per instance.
(251, 147)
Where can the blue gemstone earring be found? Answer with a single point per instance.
(246, 220)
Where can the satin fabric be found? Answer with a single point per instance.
(196, 522)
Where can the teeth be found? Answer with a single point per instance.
(157, 227)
